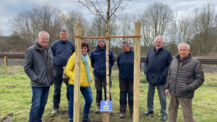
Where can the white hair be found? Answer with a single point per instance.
(157, 37)
(43, 32)
(183, 43)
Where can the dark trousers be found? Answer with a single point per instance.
(126, 88)
(100, 82)
(57, 87)
(39, 100)
(88, 97)
(162, 97)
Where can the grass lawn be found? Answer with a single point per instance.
(15, 100)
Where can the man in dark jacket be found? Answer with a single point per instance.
(184, 77)
(98, 62)
(39, 67)
(156, 68)
(62, 49)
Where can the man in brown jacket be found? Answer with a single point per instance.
(184, 77)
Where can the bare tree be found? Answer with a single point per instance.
(124, 26)
(155, 20)
(204, 26)
(105, 9)
(125, 23)
(180, 30)
(98, 27)
(101, 7)
(29, 23)
(70, 22)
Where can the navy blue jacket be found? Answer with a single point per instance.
(62, 51)
(125, 64)
(156, 65)
(98, 61)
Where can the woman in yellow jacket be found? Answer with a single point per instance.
(86, 76)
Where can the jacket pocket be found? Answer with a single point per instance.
(35, 78)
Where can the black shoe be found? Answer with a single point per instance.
(148, 113)
(85, 119)
(163, 117)
(131, 115)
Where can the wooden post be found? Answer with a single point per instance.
(5, 61)
(136, 73)
(77, 73)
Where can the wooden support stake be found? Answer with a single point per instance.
(77, 73)
(5, 61)
(136, 73)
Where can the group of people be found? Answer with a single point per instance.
(44, 65)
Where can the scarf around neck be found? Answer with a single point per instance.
(85, 59)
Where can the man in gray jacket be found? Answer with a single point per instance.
(184, 77)
(39, 67)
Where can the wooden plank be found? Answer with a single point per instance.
(5, 61)
(15, 56)
(77, 73)
(202, 60)
(105, 37)
(137, 54)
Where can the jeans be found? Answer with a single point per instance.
(88, 97)
(126, 88)
(162, 97)
(57, 87)
(39, 100)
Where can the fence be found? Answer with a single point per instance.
(209, 65)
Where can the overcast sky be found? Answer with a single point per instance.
(10, 8)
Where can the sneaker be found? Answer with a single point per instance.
(148, 113)
(121, 115)
(163, 117)
(54, 111)
(70, 120)
(97, 110)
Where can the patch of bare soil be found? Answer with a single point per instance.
(8, 118)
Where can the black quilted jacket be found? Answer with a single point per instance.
(184, 80)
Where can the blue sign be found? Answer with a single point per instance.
(106, 106)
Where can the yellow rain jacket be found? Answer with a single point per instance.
(70, 72)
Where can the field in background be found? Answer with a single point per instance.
(15, 100)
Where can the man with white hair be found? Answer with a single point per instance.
(184, 77)
(39, 68)
(156, 68)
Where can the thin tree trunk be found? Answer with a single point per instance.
(106, 116)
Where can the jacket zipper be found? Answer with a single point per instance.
(179, 67)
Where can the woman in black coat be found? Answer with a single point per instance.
(125, 64)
